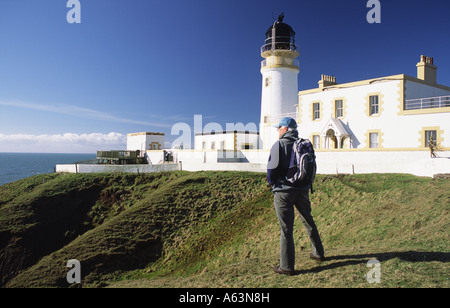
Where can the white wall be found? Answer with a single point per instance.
(269, 135)
(229, 139)
(396, 130)
(142, 141)
(419, 90)
(280, 96)
(355, 119)
(410, 162)
(278, 99)
(329, 162)
(91, 168)
(67, 168)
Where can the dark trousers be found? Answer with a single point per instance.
(284, 203)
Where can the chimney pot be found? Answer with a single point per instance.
(326, 80)
(426, 70)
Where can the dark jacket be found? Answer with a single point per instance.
(278, 164)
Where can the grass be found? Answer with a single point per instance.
(218, 229)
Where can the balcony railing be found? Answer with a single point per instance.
(278, 46)
(279, 43)
(428, 102)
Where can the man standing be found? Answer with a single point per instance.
(286, 196)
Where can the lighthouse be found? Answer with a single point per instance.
(279, 71)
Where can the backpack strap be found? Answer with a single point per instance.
(283, 142)
(293, 139)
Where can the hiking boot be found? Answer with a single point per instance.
(317, 258)
(277, 269)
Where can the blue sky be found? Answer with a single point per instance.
(144, 65)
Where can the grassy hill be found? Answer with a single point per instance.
(219, 229)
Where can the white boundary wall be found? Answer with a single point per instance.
(91, 168)
(411, 162)
(329, 162)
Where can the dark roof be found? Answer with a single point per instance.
(281, 29)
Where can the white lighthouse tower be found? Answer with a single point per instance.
(279, 71)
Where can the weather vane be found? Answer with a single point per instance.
(281, 17)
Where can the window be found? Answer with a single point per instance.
(204, 145)
(339, 108)
(316, 141)
(267, 82)
(154, 146)
(373, 140)
(430, 138)
(213, 145)
(373, 104)
(316, 111)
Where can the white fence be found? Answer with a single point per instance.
(428, 102)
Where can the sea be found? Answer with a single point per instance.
(16, 166)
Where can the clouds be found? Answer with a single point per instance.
(61, 143)
(111, 138)
(80, 112)
(68, 142)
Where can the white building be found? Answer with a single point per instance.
(227, 140)
(145, 141)
(397, 112)
(392, 124)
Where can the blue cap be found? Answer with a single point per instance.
(287, 122)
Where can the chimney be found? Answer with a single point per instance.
(426, 70)
(326, 81)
